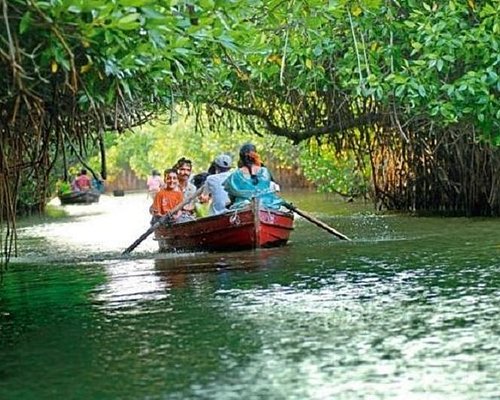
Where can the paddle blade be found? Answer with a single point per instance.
(316, 221)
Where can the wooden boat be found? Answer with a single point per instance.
(85, 197)
(249, 228)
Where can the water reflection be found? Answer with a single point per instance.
(387, 337)
(128, 284)
(409, 310)
(185, 269)
(96, 231)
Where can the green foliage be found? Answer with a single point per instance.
(159, 145)
(299, 61)
(451, 71)
(63, 187)
(334, 172)
(437, 61)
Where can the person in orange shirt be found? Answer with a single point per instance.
(168, 197)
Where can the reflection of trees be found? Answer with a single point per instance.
(185, 271)
(47, 330)
(56, 330)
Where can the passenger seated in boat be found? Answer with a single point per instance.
(169, 196)
(82, 182)
(184, 168)
(251, 180)
(202, 203)
(98, 184)
(214, 188)
(154, 183)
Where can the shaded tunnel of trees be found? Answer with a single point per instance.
(411, 88)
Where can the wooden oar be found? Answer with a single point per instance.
(163, 219)
(316, 221)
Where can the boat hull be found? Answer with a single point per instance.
(245, 229)
(87, 197)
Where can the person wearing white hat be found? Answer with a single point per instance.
(219, 196)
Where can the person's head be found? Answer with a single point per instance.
(199, 179)
(184, 168)
(249, 156)
(155, 172)
(170, 178)
(83, 171)
(211, 168)
(223, 163)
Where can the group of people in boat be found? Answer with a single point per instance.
(223, 190)
(81, 183)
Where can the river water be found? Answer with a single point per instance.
(408, 310)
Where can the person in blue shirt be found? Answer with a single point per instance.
(219, 196)
(251, 180)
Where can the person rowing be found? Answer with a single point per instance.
(169, 196)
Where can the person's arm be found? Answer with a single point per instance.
(156, 206)
(177, 202)
(189, 193)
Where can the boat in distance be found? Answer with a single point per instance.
(83, 197)
(244, 229)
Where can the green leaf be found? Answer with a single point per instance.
(399, 91)
(487, 11)
(400, 80)
(207, 4)
(421, 91)
(129, 22)
(74, 9)
(25, 22)
(135, 3)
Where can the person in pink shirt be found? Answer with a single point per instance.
(82, 182)
(154, 183)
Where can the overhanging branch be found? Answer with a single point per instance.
(299, 135)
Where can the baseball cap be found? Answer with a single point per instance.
(223, 161)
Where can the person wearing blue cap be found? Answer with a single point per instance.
(219, 197)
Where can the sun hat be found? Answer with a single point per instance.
(223, 161)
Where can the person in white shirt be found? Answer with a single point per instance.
(184, 168)
(214, 188)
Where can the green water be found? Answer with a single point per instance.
(408, 310)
